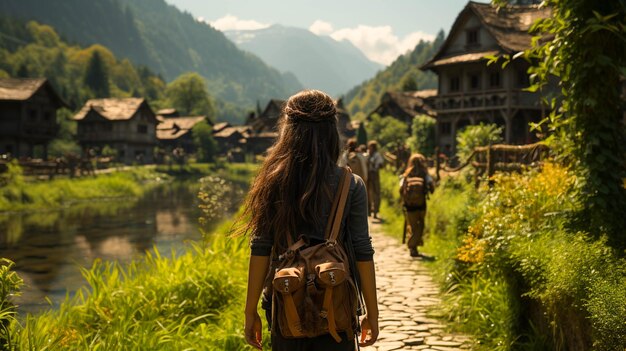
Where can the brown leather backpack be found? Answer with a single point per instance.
(313, 291)
(413, 192)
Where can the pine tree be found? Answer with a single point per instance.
(361, 135)
(97, 76)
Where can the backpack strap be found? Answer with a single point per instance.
(336, 214)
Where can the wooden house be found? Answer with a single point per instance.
(470, 91)
(174, 132)
(344, 124)
(127, 125)
(405, 105)
(232, 137)
(266, 121)
(28, 117)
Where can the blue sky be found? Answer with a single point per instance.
(382, 29)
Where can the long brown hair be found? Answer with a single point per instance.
(416, 166)
(292, 182)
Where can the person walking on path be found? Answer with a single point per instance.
(354, 159)
(375, 163)
(415, 184)
(292, 193)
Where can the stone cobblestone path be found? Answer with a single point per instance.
(405, 292)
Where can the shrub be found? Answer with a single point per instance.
(422, 138)
(388, 130)
(477, 135)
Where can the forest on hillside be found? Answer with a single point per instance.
(168, 41)
(402, 75)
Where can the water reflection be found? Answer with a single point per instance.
(50, 247)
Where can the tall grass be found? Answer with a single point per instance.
(190, 301)
(516, 274)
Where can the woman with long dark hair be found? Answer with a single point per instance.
(291, 197)
(415, 184)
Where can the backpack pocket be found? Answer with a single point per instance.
(288, 280)
(330, 273)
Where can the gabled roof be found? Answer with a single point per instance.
(168, 112)
(227, 132)
(509, 26)
(113, 109)
(175, 127)
(410, 102)
(21, 89)
(220, 126)
(273, 104)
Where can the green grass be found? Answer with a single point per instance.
(19, 195)
(515, 272)
(191, 301)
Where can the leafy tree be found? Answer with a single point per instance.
(422, 139)
(476, 135)
(361, 135)
(409, 83)
(97, 76)
(206, 146)
(388, 131)
(587, 52)
(189, 95)
(65, 142)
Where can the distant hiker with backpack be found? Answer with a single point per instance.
(415, 184)
(354, 159)
(374, 164)
(310, 247)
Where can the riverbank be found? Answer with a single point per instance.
(17, 194)
(191, 300)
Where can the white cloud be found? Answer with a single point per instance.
(230, 22)
(379, 44)
(320, 27)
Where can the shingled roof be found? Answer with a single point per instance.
(21, 89)
(410, 102)
(113, 109)
(175, 127)
(509, 25)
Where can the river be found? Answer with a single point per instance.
(50, 247)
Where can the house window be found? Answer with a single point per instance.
(32, 115)
(474, 81)
(142, 129)
(494, 79)
(523, 81)
(472, 37)
(107, 127)
(445, 128)
(455, 83)
(47, 116)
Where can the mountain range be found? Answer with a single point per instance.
(319, 62)
(160, 36)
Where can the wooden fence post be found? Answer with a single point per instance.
(437, 164)
(490, 165)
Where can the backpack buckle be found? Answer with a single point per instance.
(289, 254)
(331, 244)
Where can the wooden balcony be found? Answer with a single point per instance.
(486, 100)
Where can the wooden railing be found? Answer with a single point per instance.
(487, 160)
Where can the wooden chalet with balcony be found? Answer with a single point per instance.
(470, 91)
(128, 125)
(28, 117)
